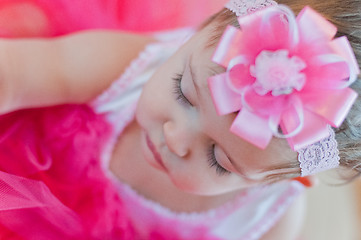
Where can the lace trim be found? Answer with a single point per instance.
(319, 156)
(243, 7)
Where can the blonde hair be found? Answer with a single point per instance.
(346, 16)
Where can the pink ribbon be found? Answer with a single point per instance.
(267, 60)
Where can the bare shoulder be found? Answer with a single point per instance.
(290, 225)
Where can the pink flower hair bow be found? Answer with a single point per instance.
(285, 76)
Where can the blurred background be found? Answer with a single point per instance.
(333, 209)
(333, 212)
(32, 18)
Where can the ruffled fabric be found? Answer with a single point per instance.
(51, 182)
(247, 217)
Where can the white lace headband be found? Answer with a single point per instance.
(243, 7)
(322, 154)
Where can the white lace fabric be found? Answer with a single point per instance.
(243, 7)
(320, 156)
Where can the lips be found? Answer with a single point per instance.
(156, 155)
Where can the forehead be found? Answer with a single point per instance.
(245, 155)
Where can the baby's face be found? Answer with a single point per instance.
(183, 135)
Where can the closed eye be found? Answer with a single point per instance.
(177, 90)
(213, 163)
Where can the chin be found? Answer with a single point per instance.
(202, 191)
(211, 193)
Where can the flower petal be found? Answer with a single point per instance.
(252, 128)
(238, 76)
(225, 100)
(341, 101)
(228, 47)
(322, 29)
(292, 119)
(277, 24)
(342, 47)
(332, 75)
(314, 129)
(265, 105)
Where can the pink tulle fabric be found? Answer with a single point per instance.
(31, 18)
(51, 182)
(52, 185)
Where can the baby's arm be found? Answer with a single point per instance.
(290, 225)
(70, 69)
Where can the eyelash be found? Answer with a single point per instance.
(177, 90)
(213, 162)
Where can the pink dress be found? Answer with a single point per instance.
(55, 182)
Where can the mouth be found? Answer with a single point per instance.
(155, 153)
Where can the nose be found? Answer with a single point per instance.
(178, 139)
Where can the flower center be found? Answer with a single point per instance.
(277, 73)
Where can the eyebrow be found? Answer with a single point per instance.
(194, 77)
(217, 69)
(235, 166)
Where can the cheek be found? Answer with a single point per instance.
(158, 89)
(187, 178)
(184, 182)
(150, 102)
(204, 183)
(141, 114)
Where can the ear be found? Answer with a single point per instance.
(307, 181)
